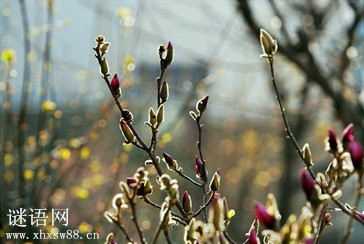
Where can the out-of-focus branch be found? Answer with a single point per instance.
(350, 35)
(24, 99)
(46, 65)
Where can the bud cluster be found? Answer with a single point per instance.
(101, 49)
(155, 119)
(220, 216)
(347, 158)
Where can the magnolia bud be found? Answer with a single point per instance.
(115, 85)
(307, 183)
(332, 139)
(269, 45)
(200, 169)
(263, 216)
(128, 134)
(186, 202)
(252, 238)
(168, 159)
(144, 188)
(169, 56)
(215, 182)
(152, 117)
(127, 115)
(131, 182)
(104, 67)
(202, 104)
(307, 155)
(164, 92)
(352, 146)
(160, 115)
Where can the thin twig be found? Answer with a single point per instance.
(160, 226)
(24, 98)
(203, 206)
(159, 81)
(167, 237)
(189, 179)
(122, 228)
(199, 142)
(134, 216)
(228, 237)
(321, 222)
(178, 217)
(349, 229)
(42, 119)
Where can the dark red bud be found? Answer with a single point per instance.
(168, 158)
(141, 190)
(307, 183)
(115, 83)
(332, 140)
(263, 216)
(218, 171)
(356, 153)
(169, 46)
(131, 182)
(252, 239)
(185, 197)
(127, 115)
(205, 100)
(199, 163)
(200, 168)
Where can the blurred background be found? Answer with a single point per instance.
(60, 142)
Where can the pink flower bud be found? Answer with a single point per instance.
(307, 183)
(332, 140)
(356, 153)
(115, 83)
(115, 86)
(127, 115)
(252, 239)
(186, 202)
(352, 146)
(200, 169)
(169, 56)
(185, 197)
(131, 182)
(263, 216)
(168, 158)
